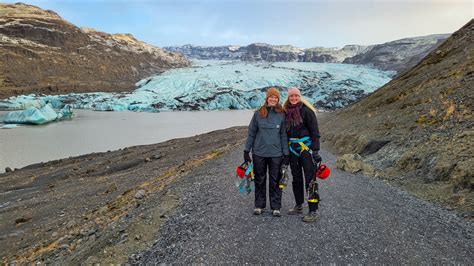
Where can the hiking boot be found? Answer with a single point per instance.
(276, 213)
(310, 217)
(298, 209)
(257, 211)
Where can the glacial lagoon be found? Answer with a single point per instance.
(92, 131)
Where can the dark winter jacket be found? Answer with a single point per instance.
(309, 127)
(267, 136)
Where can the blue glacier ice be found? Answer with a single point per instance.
(211, 85)
(38, 116)
(9, 126)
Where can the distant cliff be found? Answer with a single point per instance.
(267, 52)
(42, 53)
(332, 55)
(397, 56)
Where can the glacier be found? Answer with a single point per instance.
(38, 116)
(221, 85)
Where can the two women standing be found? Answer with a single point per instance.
(269, 132)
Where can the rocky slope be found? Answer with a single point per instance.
(399, 55)
(417, 130)
(41, 52)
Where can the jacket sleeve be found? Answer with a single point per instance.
(284, 137)
(311, 123)
(252, 132)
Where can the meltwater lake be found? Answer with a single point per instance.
(92, 131)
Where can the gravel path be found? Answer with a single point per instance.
(362, 220)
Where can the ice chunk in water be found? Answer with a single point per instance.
(37, 116)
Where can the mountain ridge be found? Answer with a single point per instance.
(386, 56)
(43, 53)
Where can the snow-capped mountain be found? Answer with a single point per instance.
(267, 52)
(398, 55)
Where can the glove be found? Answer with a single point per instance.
(247, 157)
(316, 157)
(285, 160)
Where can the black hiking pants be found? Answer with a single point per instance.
(262, 165)
(298, 165)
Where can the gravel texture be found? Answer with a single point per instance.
(362, 220)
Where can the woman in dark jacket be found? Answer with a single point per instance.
(303, 135)
(268, 142)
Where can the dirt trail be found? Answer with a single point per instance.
(362, 220)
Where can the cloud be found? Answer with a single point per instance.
(303, 23)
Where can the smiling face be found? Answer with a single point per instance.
(272, 101)
(294, 98)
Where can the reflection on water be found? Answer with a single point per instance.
(101, 131)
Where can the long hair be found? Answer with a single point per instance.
(263, 110)
(304, 101)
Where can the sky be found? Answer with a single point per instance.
(301, 23)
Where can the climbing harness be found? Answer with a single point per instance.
(304, 144)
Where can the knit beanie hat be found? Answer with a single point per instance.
(294, 90)
(273, 92)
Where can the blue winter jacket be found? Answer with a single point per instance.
(267, 136)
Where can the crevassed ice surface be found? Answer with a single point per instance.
(210, 85)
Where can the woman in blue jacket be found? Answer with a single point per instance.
(268, 142)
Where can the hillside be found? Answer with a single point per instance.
(417, 130)
(42, 53)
